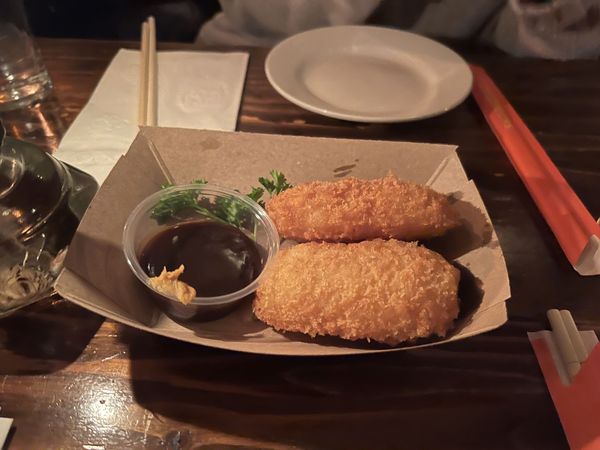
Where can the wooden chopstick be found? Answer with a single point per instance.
(143, 81)
(568, 341)
(563, 343)
(152, 81)
(574, 335)
(147, 106)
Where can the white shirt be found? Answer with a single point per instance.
(557, 29)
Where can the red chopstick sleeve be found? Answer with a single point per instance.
(570, 221)
(578, 405)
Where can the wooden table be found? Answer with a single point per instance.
(72, 379)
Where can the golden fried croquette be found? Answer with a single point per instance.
(353, 210)
(386, 291)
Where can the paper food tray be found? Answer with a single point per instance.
(97, 277)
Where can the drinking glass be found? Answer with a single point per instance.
(23, 76)
(41, 203)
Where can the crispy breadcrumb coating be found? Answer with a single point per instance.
(353, 210)
(386, 291)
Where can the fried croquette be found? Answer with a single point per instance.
(353, 210)
(385, 291)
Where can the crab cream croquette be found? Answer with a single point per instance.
(352, 210)
(385, 291)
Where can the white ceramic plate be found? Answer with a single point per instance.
(368, 74)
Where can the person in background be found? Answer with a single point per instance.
(553, 29)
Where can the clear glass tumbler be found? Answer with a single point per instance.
(23, 76)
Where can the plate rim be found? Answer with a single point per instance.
(361, 117)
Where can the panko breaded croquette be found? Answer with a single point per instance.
(385, 291)
(353, 210)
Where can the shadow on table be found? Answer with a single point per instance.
(458, 395)
(45, 337)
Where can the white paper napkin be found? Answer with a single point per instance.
(5, 424)
(195, 90)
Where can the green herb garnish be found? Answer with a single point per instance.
(255, 194)
(171, 206)
(277, 184)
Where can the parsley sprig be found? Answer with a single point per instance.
(177, 205)
(276, 185)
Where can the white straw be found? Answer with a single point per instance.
(574, 335)
(152, 81)
(143, 91)
(563, 343)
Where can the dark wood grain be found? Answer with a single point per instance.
(74, 380)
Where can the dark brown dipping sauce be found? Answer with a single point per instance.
(218, 258)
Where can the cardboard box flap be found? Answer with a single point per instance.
(238, 159)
